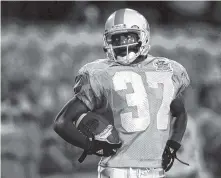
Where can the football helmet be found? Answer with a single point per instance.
(126, 36)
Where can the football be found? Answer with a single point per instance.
(96, 126)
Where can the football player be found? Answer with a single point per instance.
(144, 94)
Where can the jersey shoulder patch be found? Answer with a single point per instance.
(162, 64)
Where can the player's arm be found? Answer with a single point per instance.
(85, 100)
(179, 123)
(178, 128)
(81, 103)
(177, 108)
(64, 127)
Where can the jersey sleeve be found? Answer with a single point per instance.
(87, 89)
(181, 77)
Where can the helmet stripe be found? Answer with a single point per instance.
(119, 17)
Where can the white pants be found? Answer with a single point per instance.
(107, 172)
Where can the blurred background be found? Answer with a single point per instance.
(43, 45)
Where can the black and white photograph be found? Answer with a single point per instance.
(110, 89)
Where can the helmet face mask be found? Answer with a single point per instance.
(127, 39)
(124, 44)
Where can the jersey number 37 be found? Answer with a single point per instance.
(139, 98)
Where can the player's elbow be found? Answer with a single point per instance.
(59, 125)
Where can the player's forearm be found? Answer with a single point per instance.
(178, 127)
(70, 134)
(64, 127)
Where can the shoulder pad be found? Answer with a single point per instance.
(177, 66)
(99, 64)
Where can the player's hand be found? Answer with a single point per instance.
(99, 148)
(169, 154)
(103, 148)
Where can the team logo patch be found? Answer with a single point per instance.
(163, 65)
